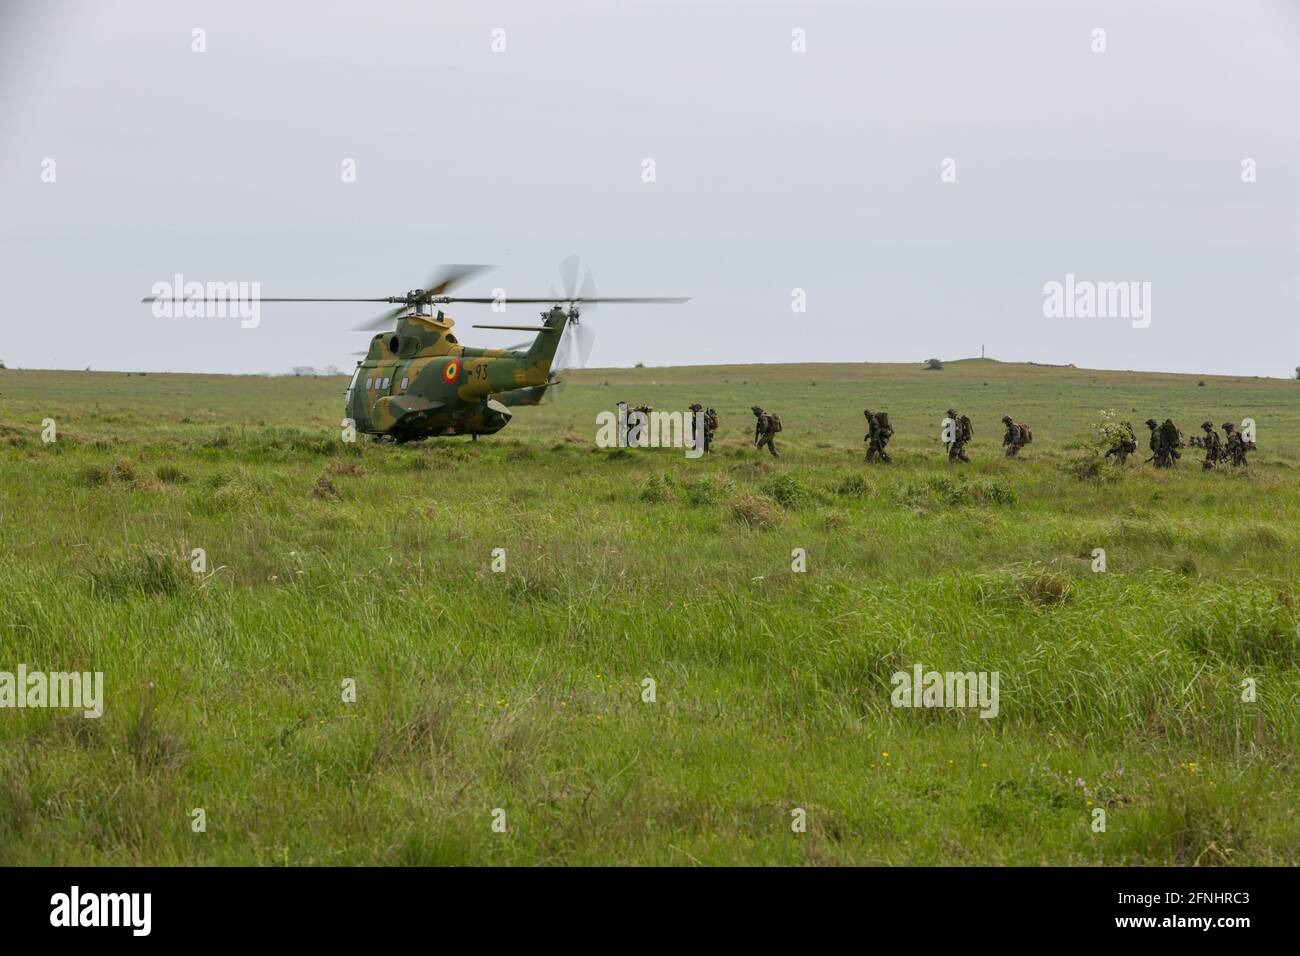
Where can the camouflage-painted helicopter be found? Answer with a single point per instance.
(418, 381)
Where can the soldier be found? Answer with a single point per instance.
(622, 417)
(1173, 442)
(645, 411)
(1124, 447)
(703, 436)
(962, 432)
(1165, 442)
(1157, 445)
(1213, 446)
(879, 431)
(1235, 446)
(698, 439)
(765, 428)
(1016, 437)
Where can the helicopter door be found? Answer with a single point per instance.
(352, 386)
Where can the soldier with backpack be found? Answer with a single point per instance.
(1018, 435)
(710, 427)
(700, 435)
(957, 432)
(1236, 446)
(765, 428)
(1213, 446)
(879, 431)
(1156, 444)
(1165, 442)
(1173, 440)
(1123, 446)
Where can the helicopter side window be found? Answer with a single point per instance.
(405, 381)
(368, 381)
(387, 383)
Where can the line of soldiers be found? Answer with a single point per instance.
(1166, 440)
(958, 431)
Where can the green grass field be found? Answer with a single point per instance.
(523, 690)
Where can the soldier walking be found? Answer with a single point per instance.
(1017, 436)
(1213, 446)
(765, 428)
(962, 432)
(879, 431)
(1157, 445)
(1235, 445)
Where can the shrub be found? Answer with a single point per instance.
(787, 490)
(853, 485)
(657, 487)
(147, 573)
(703, 491)
(755, 511)
(324, 489)
(170, 474)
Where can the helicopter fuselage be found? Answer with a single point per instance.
(418, 381)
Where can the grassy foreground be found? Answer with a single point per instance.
(523, 690)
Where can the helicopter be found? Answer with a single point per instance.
(417, 381)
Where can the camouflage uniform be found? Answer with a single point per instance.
(623, 418)
(1014, 439)
(764, 430)
(1213, 446)
(1125, 446)
(1159, 456)
(961, 435)
(1235, 447)
(879, 431)
(701, 432)
(645, 410)
(710, 427)
(1164, 446)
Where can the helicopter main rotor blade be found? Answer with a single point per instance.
(440, 281)
(381, 321)
(198, 298)
(515, 328)
(556, 300)
(444, 278)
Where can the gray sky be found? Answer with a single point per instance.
(774, 170)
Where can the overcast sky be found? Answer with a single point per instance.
(774, 170)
